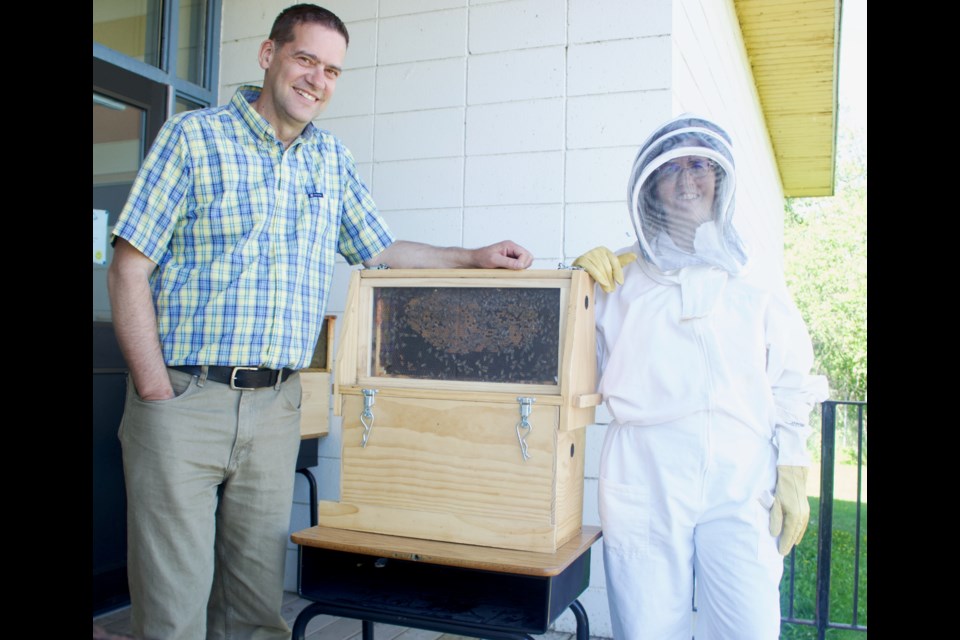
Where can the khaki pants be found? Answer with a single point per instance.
(209, 479)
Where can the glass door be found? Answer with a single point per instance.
(128, 111)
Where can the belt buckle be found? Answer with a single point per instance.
(233, 378)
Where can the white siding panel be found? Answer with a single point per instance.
(419, 184)
(598, 175)
(591, 509)
(523, 178)
(403, 7)
(594, 20)
(347, 10)
(593, 600)
(421, 85)
(356, 133)
(591, 456)
(613, 120)
(621, 65)
(423, 36)
(519, 24)
(516, 75)
(353, 95)
(535, 227)
(238, 64)
(335, 304)
(365, 171)
(441, 227)
(420, 134)
(597, 223)
(515, 127)
(362, 50)
(250, 18)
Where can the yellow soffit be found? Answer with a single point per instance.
(793, 49)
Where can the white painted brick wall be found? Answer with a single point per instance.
(619, 65)
(354, 95)
(350, 11)
(444, 227)
(433, 84)
(614, 119)
(538, 225)
(517, 24)
(516, 75)
(520, 178)
(596, 20)
(422, 36)
(598, 175)
(437, 133)
(477, 120)
(596, 223)
(362, 50)
(419, 184)
(403, 7)
(356, 133)
(514, 127)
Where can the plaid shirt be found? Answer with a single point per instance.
(245, 234)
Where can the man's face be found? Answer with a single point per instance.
(300, 76)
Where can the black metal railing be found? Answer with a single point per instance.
(846, 610)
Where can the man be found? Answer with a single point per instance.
(223, 260)
(707, 378)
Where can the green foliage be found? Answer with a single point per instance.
(825, 251)
(842, 573)
(825, 264)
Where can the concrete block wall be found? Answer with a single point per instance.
(479, 120)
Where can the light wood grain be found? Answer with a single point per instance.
(449, 554)
(443, 460)
(453, 471)
(314, 403)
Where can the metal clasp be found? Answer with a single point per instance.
(526, 406)
(233, 378)
(366, 414)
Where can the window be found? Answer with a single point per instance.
(173, 42)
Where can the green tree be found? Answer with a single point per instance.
(825, 249)
(825, 258)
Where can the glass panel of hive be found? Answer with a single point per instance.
(468, 334)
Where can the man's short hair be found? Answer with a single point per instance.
(282, 31)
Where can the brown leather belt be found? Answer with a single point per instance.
(240, 377)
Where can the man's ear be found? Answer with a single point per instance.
(265, 55)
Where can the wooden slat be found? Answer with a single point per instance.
(792, 48)
(449, 554)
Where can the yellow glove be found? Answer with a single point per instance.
(604, 266)
(791, 511)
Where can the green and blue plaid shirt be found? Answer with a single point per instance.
(245, 234)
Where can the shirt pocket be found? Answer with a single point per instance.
(314, 214)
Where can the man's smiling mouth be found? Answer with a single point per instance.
(308, 96)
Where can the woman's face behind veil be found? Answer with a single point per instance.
(686, 188)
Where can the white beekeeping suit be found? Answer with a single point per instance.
(708, 381)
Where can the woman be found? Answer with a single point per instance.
(706, 376)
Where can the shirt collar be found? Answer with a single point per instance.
(261, 129)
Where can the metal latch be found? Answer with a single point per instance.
(524, 427)
(366, 416)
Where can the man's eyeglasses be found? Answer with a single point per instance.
(698, 167)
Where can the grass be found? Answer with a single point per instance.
(842, 573)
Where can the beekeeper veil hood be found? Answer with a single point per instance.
(681, 197)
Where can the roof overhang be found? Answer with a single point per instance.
(793, 49)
